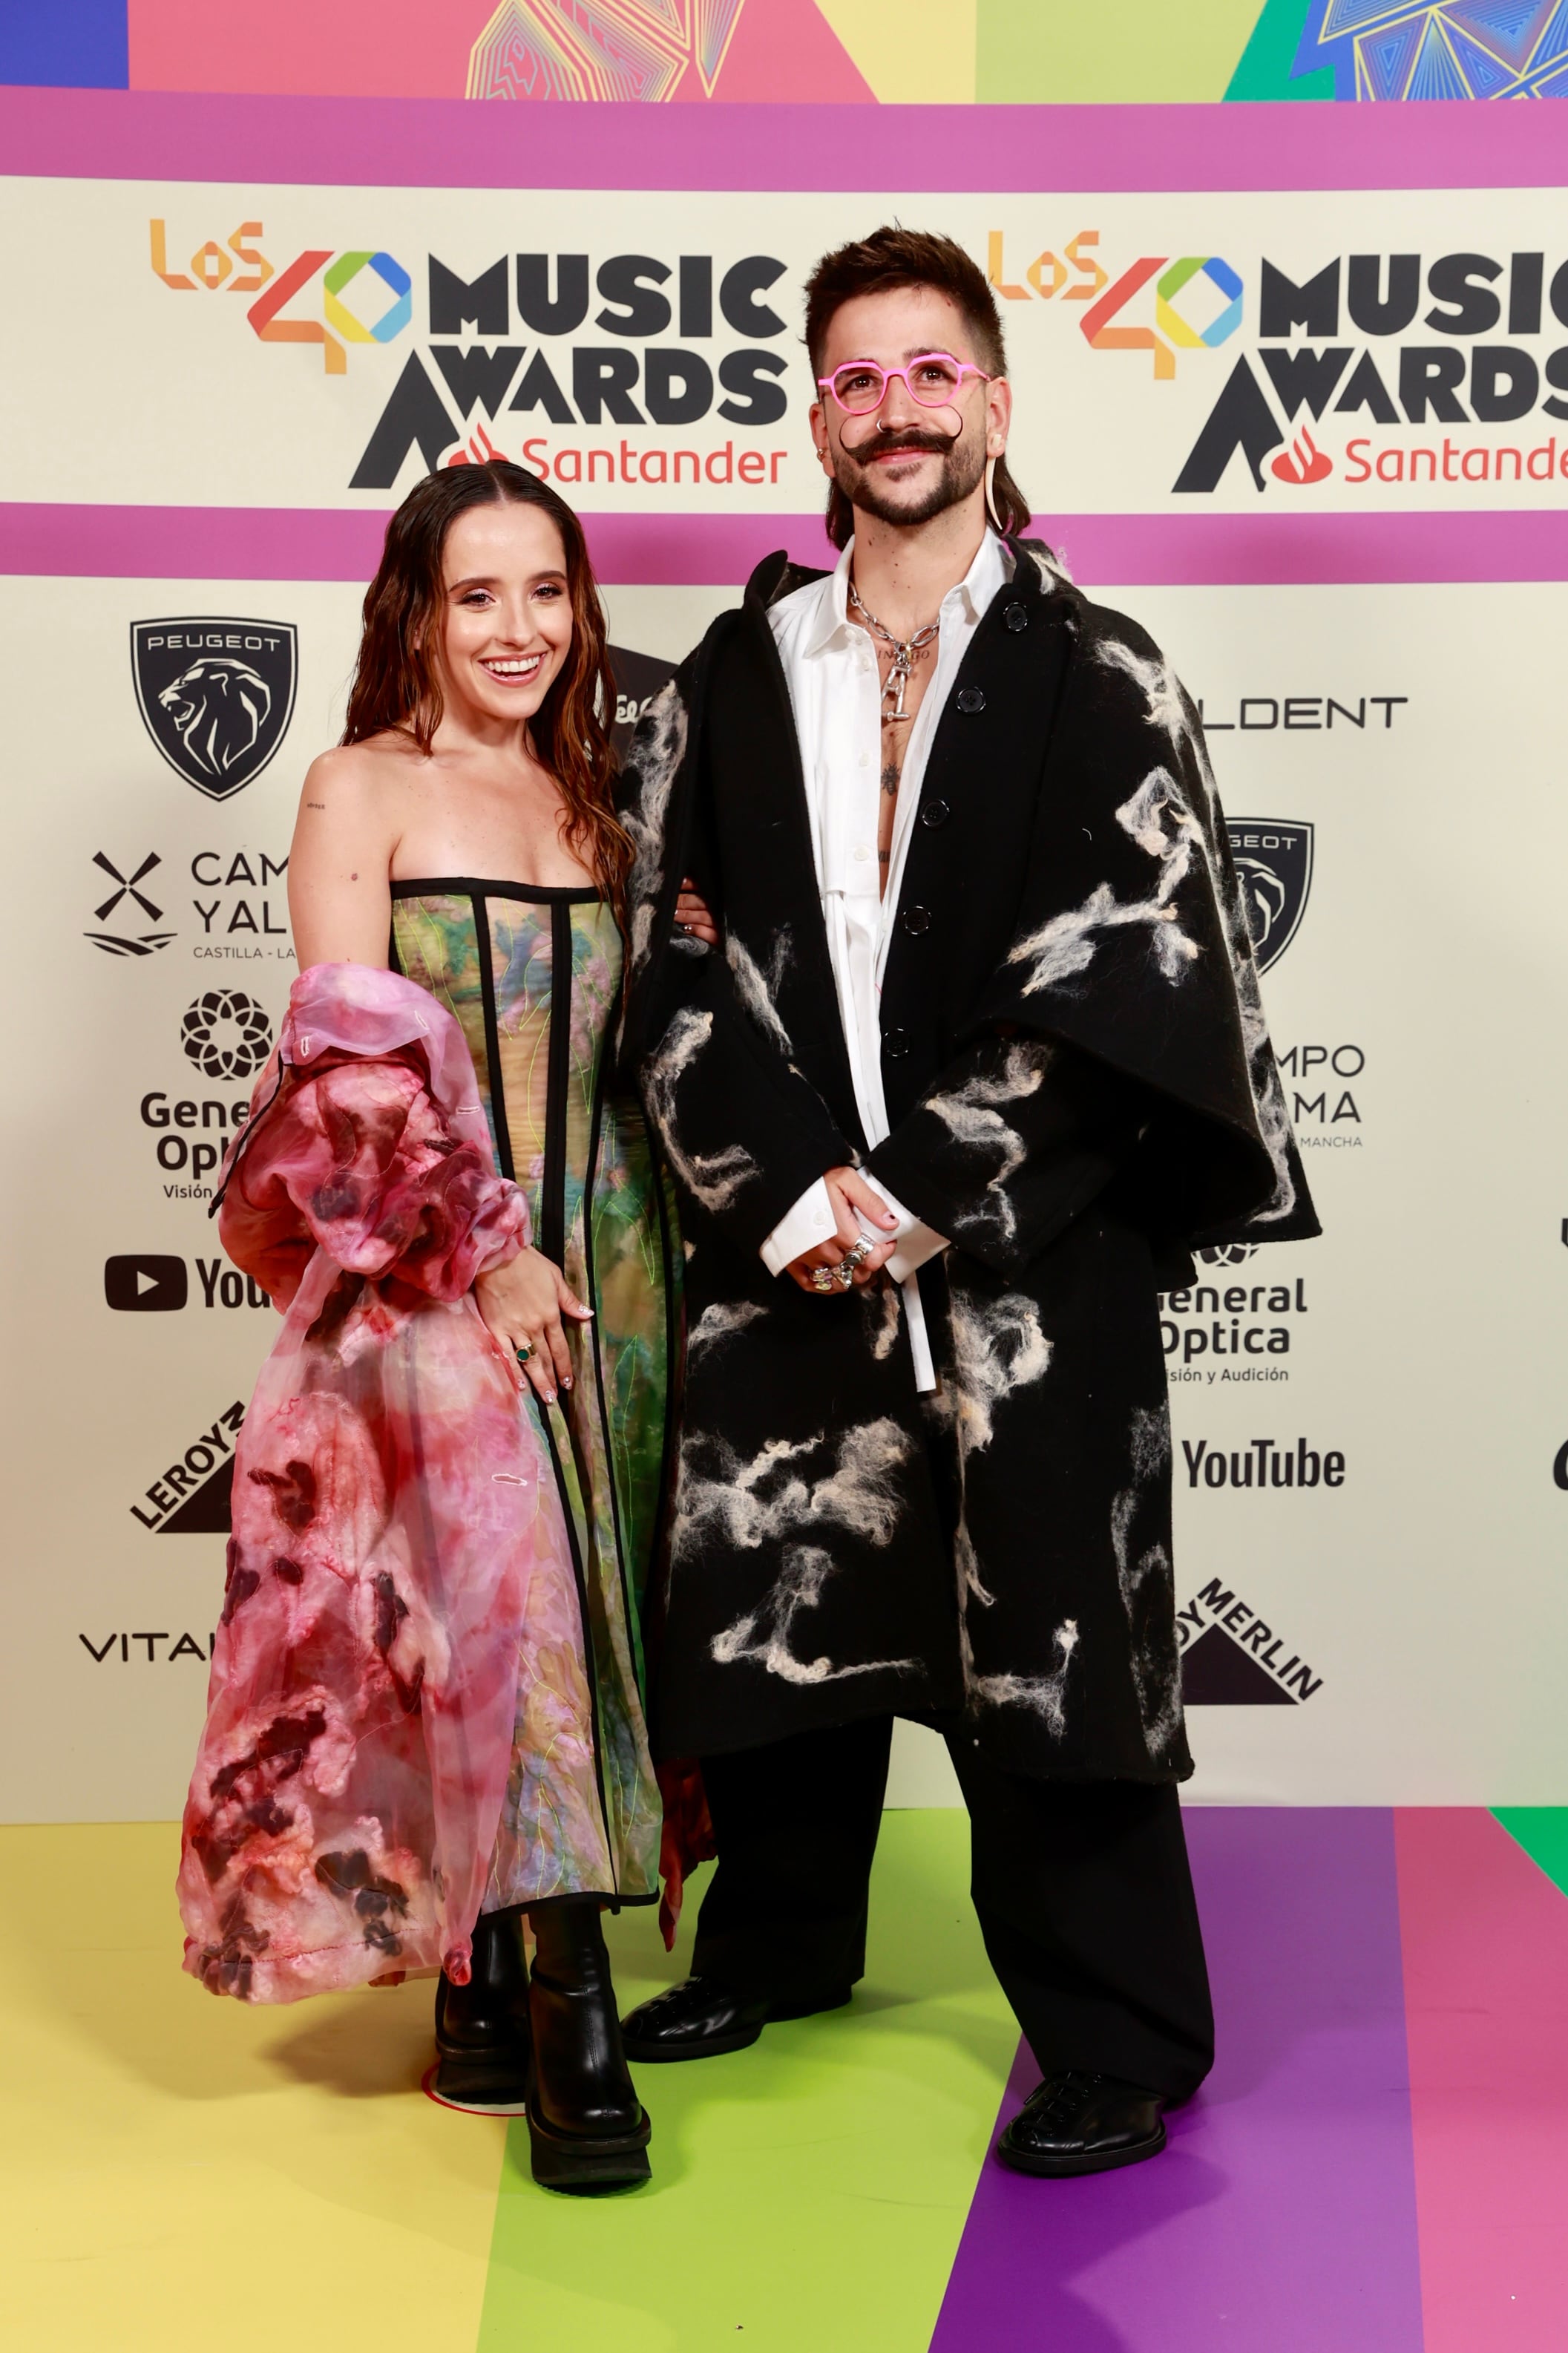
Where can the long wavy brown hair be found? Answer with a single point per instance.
(397, 678)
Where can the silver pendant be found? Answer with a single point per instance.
(898, 679)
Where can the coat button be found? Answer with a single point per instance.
(970, 698)
(916, 918)
(935, 813)
(895, 1044)
(1016, 617)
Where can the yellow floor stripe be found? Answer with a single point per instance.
(179, 2174)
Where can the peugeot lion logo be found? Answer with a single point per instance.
(1274, 867)
(215, 696)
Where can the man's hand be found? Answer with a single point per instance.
(692, 915)
(860, 1215)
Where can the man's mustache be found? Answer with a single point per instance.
(936, 445)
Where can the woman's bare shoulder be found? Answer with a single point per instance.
(363, 786)
(356, 768)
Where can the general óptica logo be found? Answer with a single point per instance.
(1274, 866)
(215, 695)
(226, 1034)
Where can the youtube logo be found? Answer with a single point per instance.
(144, 1283)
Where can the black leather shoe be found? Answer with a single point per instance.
(1077, 2123)
(482, 2028)
(587, 2128)
(702, 2018)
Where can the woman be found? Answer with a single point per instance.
(426, 1713)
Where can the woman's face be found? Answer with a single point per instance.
(507, 610)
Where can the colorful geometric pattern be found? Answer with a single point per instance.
(600, 48)
(1462, 48)
(1379, 2163)
(577, 48)
(798, 51)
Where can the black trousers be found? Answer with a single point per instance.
(1083, 1892)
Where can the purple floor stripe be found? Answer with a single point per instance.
(1282, 2218)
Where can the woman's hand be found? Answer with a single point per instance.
(691, 916)
(860, 1215)
(522, 1304)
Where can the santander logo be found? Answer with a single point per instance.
(1302, 462)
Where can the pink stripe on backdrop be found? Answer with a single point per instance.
(1486, 1975)
(449, 143)
(719, 549)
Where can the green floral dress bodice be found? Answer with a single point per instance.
(534, 975)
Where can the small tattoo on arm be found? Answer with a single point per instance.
(882, 856)
(890, 780)
(321, 805)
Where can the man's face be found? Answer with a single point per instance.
(905, 463)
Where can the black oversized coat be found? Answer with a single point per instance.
(1081, 1088)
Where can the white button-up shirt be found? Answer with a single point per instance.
(830, 667)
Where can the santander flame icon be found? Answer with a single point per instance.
(480, 449)
(1302, 462)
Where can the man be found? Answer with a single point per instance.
(979, 1061)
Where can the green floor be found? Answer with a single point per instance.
(1543, 1832)
(807, 2193)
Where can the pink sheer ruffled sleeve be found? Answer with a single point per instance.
(356, 1158)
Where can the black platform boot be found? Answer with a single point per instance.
(588, 2129)
(482, 2028)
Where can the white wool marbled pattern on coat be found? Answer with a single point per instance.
(1046, 1694)
(757, 990)
(999, 1348)
(764, 1637)
(1262, 1071)
(1155, 680)
(1159, 820)
(973, 1118)
(658, 750)
(713, 1177)
(719, 1321)
(1147, 1586)
(881, 1305)
(852, 1485)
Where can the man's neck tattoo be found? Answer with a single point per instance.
(906, 652)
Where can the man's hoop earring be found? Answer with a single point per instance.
(991, 495)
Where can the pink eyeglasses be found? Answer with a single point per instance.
(933, 380)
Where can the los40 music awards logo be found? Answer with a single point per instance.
(1381, 351)
(528, 345)
(215, 695)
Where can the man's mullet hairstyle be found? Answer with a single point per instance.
(880, 264)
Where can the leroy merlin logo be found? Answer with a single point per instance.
(1232, 1658)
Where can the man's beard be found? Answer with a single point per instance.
(962, 469)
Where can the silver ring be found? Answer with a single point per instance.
(858, 1253)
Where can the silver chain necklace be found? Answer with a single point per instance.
(904, 652)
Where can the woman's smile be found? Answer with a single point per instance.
(510, 670)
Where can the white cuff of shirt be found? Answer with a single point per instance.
(810, 1221)
(800, 1229)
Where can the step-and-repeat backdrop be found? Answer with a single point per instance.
(1370, 1471)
